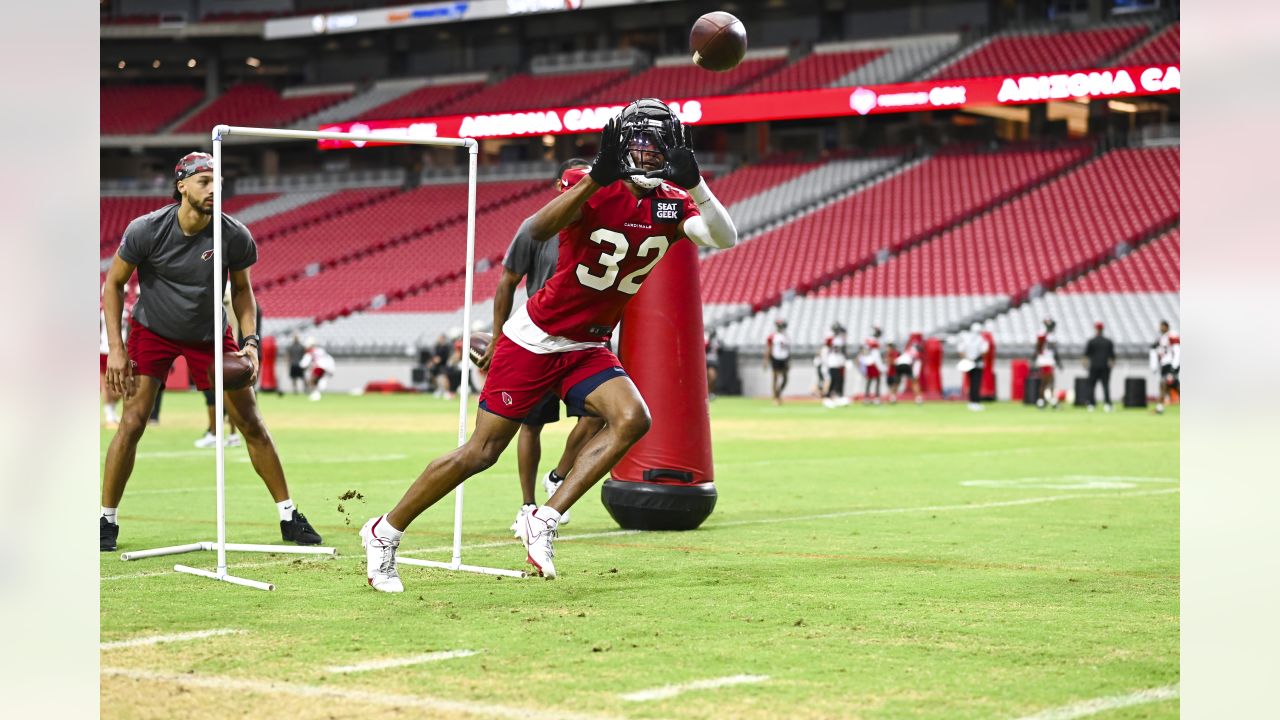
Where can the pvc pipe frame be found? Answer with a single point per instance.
(221, 545)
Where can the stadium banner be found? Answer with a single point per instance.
(1015, 89)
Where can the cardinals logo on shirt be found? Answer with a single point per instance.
(206, 255)
(506, 398)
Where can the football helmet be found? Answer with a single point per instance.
(649, 128)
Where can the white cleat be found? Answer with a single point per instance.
(551, 487)
(232, 441)
(976, 407)
(314, 396)
(380, 557)
(1107, 407)
(209, 440)
(828, 403)
(524, 510)
(538, 537)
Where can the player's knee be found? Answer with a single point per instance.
(632, 423)
(132, 425)
(480, 457)
(254, 429)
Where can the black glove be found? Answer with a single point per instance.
(607, 167)
(682, 166)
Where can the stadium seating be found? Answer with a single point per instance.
(1055, 231)
(141, 109)
(257, 106)
(1130, 296)
(1164, 47)
(916, 203)
(751, 180)
(1044, 52)
(903, 59)
(524, 92)
(425, 100)
(683, 79)
(412, 240)
(816, 70)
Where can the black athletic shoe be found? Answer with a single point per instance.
(298, 530)
(107, 534)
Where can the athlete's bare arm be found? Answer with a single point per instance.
(246, 309)
(502, 302)
(563, 211)
(120, 377)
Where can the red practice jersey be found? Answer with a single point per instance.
(605, 256)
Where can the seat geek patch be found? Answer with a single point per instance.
(667, 211)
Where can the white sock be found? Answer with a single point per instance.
(285, 507)
(547, 513)
(110, 515)
(109, 410)
(388, 531)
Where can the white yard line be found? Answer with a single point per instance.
(278, 689)
(385, 663)
(158, 639)
(208, 453)
(667, 691)
(1103, 704)
(939, 508)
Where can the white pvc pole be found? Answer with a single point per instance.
(219, 452)
(473, 156)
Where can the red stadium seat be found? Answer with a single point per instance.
(1045, 52)
(257, 106)
(143, 109)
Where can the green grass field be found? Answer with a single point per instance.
(852, 560)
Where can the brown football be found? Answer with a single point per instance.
(479, 344)
(236, 371)
(718, 41)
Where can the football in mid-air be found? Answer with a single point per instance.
(718, 41)
(479, 345)
(237, 371)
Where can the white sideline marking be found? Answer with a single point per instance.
(208, 452)
(667, 691)
(1103, 704)
(157, 639)
(268, 687)
(1069, 482)
(737, 523)
(400, 662)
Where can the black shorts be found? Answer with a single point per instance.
(903, 372)
(295, 373)
(780, 365)
(1169, 374)
(546, 411)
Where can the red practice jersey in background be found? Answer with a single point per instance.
(605, 256)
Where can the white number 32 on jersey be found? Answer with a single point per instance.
(655, 245)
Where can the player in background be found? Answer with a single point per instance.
(871, 360)
(1099, 358)
(535, 262)
(172, 249)
(777, 358)
(1046, 363)
(1167, 361)
(321, 364)
(891, 354)
(835, 355)
(906, 369)
(712, 346)
(295, 351)
(973, 347)
(613, 232)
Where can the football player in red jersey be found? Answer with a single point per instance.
(642, 193)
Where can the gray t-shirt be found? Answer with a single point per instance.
(175, 272)
(536, 261)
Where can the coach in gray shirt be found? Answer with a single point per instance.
(172, 251)
(536, 263)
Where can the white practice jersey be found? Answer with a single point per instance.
(1169, 350)
(835, 350)
(320, 358)
(1046, 350)
(779, 346)
(872, 354)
